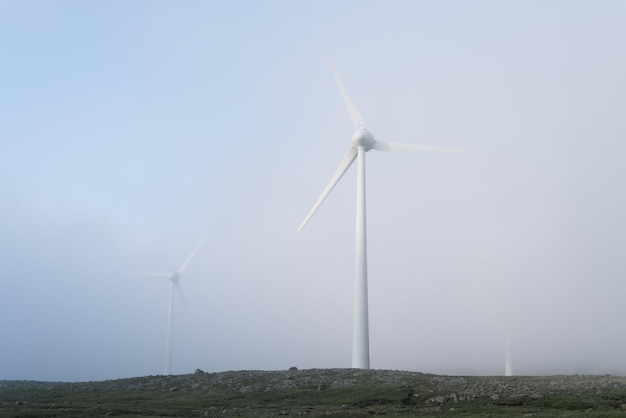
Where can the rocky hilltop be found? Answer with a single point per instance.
(316, 392)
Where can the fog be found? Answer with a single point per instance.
(129, 130)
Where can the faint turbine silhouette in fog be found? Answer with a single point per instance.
(174, 278)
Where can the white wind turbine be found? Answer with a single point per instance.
(508, 363)
(508, 359)
(362, 141)
(173, 277)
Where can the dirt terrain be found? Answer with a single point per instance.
(318, 392)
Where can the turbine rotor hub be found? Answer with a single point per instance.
(363, 139)
(175, 277)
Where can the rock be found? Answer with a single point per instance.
(622, 407)
(198, 371)
(438, 400)
(293, 368)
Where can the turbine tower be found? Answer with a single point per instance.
(508, 359)
(508, 364)
(173, 277)
(362, 142)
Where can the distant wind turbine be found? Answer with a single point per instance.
(508, 361)
(173, 277)
(362, 141)
(508, 364)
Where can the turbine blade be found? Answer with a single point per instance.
(397, 146)
(345, 163)
(141, 273)
(184, 265)
(179, 292)
(357, 119)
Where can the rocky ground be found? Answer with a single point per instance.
(317, 392)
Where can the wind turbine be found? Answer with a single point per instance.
(508, 359)
(173, 277)
(362, 142)
(508, 364)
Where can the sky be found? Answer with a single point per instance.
(131, 129)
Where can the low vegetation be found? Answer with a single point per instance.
(328, 392)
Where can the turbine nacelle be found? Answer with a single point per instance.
(175, 277)
(363, 139)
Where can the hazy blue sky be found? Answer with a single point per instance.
(129, 129)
